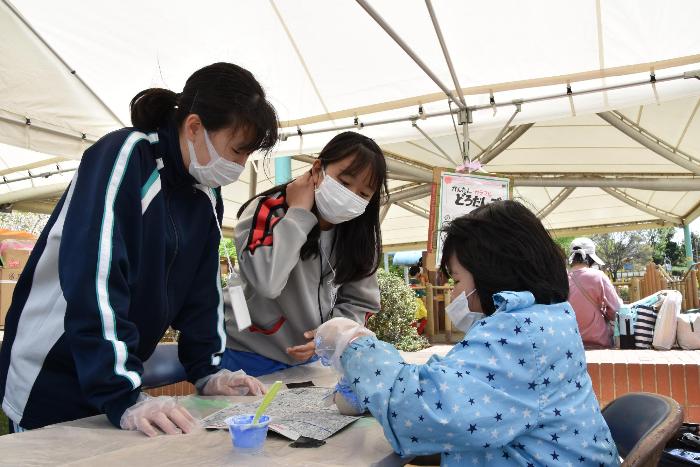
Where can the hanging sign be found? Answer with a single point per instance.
(460, 194)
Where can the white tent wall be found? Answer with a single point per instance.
(329, 65)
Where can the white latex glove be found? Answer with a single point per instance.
(152, 413)
(333, 336)
(233, 383)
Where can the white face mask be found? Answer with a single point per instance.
(336, 203)
(218, 172)
(459, 313)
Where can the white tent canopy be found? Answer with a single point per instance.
(596, 160)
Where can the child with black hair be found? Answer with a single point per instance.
(516, 390)
(308, 250)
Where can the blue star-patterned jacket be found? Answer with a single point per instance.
(515, 391)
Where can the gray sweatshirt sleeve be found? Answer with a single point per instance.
(357, 298)
(268, 246)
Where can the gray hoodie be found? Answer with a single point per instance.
(287, 296)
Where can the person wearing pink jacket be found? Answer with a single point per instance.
(592, 296)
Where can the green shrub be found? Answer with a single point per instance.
(398, 308)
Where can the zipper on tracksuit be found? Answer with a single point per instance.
(172, 261)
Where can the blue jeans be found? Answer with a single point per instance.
(254, 364)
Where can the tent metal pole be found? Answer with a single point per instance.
(410, 193)
(32, 176)
(383, 212)
(60, 59)
(432, 141)
(38, 192)
(445, 52)
(411, 118)
(641, 136)
(394, 35)
(552, 205)
(413, 209)
(689, 184)
(27, 121)
(512, 137)
(645, 207)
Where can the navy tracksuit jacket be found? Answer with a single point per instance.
(131, 248)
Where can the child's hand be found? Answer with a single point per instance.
(305, 351)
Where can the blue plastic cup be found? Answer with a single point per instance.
(246, 436)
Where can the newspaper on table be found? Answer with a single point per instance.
(293, 413)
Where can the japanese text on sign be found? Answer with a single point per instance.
(461, 193)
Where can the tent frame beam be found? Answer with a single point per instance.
(401, 43)
(409, 192)
(648, 140)
(654, 184)
(642, 206)
(497, 147)
(445, 52)
(471, 109)
(434, 143)
(413, 209)
(554, 203)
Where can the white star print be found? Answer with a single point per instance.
(510, 375)
(486, 399)
(493, 361)
(551, 331)
(444, 421)
(461, 362)
(511, 432)
(475, 460)
(460, 390)
(526, 413)
(447, 447)
(494, 434)
(408, 423)
(543, 359)
(380, 385)
(508, 356)
(455, 408)
(489, 456)
(513, 410)
(444, 386)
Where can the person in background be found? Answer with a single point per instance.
(131, 249)
(592, 296)
(307, 251)
(516, 390)
(415, 281)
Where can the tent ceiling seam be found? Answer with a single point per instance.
(301, 60)
(55, 53)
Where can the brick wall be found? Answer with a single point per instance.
(675, 373)
(180, 389)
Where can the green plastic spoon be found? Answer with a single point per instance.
(266, 400)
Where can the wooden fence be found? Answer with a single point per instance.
(656, 278)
